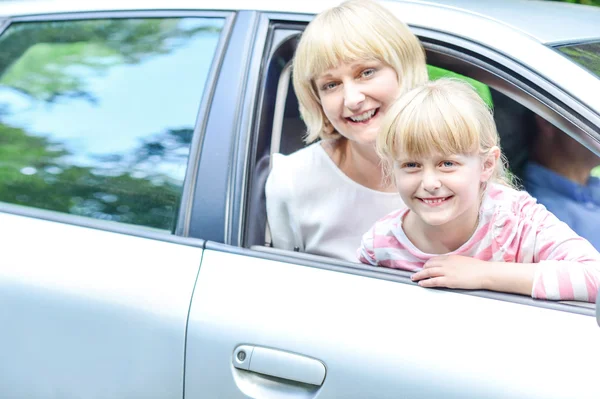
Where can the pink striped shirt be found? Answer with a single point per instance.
(512, 228)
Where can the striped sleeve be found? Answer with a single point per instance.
(366, 252)
(568, 265)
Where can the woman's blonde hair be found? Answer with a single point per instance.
(445, 116)
(354, 30)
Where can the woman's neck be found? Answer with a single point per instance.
(359, 162)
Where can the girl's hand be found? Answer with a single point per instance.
(454, 271)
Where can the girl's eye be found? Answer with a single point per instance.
(410, 165)
(367, 73)
(448, 164)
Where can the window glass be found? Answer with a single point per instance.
(96, 116)
(560, 174)
(587, 55)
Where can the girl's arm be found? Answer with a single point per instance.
(464, 272)
(568, 266)
(552, 261)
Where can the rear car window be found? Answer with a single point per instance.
(587, 55)
(97, 116)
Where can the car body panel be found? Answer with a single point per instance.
(534, 17)
(379, 338)
(222, 133)
(91, 313)
(529, 16)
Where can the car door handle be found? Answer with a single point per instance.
(281, 364)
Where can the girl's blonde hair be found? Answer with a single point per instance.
(445, 116)
(354, 30)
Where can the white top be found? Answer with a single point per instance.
(313, 206)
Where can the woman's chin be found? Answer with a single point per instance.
(366, 139)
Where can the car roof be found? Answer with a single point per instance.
(535, 18)
(547, 21)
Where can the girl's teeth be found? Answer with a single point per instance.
(363, 117)
(435, 201)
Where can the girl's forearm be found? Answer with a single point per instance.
(516, 278)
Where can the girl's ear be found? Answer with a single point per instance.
(489, 163)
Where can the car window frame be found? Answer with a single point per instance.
(505, 75)
(183, 214)
(520, 83)
(267, 120)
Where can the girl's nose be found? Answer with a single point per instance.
(431, 182)
(353, 97)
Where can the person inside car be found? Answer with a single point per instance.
(559, 176)
(464, 225)
(352, 62)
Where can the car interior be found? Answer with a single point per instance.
(281, 130)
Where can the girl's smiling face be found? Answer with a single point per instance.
(444, 190)
(355, 97)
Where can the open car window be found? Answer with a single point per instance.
(515, 111)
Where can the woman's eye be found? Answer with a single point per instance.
(329, 86)
(368, 73)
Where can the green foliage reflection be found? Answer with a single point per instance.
(586, 55)
(35, 172)
(51, 59)
(51, 63)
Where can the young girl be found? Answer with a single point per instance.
(464, 225)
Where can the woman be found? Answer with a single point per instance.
(352, 62)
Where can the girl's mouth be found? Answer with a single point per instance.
(365, 117)
(437, 201)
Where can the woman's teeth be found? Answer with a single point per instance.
(364, 116)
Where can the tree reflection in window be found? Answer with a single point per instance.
(97, 116)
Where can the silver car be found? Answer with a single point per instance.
(135, 140)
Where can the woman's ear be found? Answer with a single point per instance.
(490, 161)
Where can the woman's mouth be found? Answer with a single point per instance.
(365, 117)
(435, 201)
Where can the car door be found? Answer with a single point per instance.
(351, 331)
(100, 119)
(266, 323)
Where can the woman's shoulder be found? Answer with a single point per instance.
(299, 168)
(299, 161)
(303, 166)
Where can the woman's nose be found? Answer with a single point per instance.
(353, 97)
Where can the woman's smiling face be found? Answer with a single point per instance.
(355, 97)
